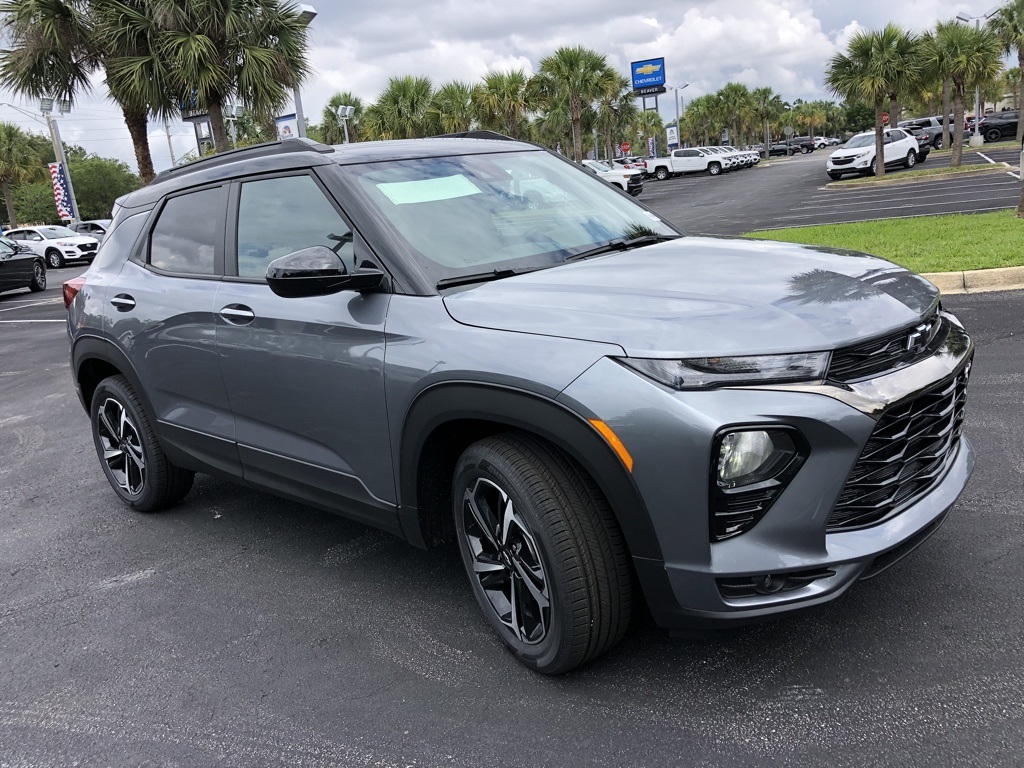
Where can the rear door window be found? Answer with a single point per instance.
(188, 235)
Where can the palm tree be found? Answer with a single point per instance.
(1013, 85)
(503, 100)
(331, 129)
(735, 103)
(401, 110)
(649, 124)
(452, 107)
(56, 45)
(19, 163)
(970, 56)
(581, 76)
(766, 105)
(252, 50)
(701, 116)
(873, 67)
(616, 109)
(935, 66)
(1008, 23)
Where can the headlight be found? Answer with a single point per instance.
(708, 372)
(62, 242)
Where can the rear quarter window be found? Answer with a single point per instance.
(120, 242)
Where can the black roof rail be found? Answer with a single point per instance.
(477, 134)
(256, 150)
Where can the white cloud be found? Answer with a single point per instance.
(358, 46)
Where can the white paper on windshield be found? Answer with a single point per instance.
(428, 190)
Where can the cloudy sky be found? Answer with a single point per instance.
(357, 46)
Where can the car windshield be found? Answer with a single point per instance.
(864, 140)
(517, 210)
(54, 232)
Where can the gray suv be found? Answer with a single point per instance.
(472, 339)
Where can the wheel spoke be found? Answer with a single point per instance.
(109, 454)
(484, 564)
(514, 600)
(532, 577)
(486, 528)
(105, 420)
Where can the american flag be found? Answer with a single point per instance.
(61, 193)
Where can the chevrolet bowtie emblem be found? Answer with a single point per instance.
(648, 69)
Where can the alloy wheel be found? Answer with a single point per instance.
(53, 259)
(506, 561)
(122, 447)
(39, 275)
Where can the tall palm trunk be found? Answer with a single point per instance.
(1020, 93)
(959, 90)
(576, 121)
(879, 139)
(138, 127)
(945, 114)
(217, 125)
(767, 138)
(11, 216)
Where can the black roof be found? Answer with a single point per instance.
(296, 153)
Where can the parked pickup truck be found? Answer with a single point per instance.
(685, 161)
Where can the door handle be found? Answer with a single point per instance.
(238, 314)
(123, 302)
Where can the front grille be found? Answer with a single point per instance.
(908, 452)
(842, 161)
(87, 247)
(885, 353)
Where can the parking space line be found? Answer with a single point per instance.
(34, 304)
(877, 218)
(885, 208)
(12, 322)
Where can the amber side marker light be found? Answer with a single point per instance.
(613, 440)
(71, 289)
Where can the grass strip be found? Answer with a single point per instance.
(947, 243)
(905, 176)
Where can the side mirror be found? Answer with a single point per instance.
(37, 238)
(318, 271)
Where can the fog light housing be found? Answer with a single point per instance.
(750, 468)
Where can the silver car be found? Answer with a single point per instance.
(474, 339)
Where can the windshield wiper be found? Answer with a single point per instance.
(621, 244)
(483, 277)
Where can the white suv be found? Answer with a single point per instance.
(858, 154)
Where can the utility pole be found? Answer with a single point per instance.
(170, 146)
(58, 149)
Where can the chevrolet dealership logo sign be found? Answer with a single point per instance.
(647, 74)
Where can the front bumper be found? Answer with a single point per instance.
(690, 581)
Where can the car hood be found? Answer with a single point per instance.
(700, 296)
(844, 152)
(76, 239)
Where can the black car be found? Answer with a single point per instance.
(924, 142)
(782, 149)
(999, 125)
(802, 144)
(20, 267)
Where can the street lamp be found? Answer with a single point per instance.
(344, 112)
(679, 128)
(976, 140)
(306, 14)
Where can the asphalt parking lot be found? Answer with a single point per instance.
(792, 192)
(239, 630)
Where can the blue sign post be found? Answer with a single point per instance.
(648, 74)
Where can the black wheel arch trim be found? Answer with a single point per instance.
(518, 409)
(88, 347)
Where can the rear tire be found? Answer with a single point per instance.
(911, 160)
(714, 169)
(937, 142)
(54, 259)
(661, 173)
(993, 134)
(545, 557)
(38, 277)
(129, 452)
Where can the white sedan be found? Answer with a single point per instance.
(58, 245)
(627, 179)
(858, 154)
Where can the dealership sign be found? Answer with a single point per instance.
(648, 74)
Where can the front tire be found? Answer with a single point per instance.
(546, 560)
(54, 259)
(714, 169)
(38, 277)
(129, 452)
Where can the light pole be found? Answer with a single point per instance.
(344, 112)
(976, 139)
(679, 128)
(46, 107)
(306, 14)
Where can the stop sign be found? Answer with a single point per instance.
(625, 147)
(885, 118)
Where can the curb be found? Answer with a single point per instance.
(977, 280)
(892, 181)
